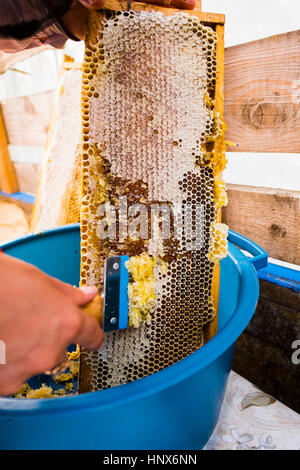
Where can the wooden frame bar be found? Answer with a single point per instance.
(212, 328)
(8, 179)
(115, 5)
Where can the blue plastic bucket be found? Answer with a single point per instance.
(176, 408)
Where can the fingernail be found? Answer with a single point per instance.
(89, 290)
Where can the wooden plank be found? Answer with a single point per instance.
(25, 206)
(262, 94)
(276, 324)
(28, 176)
(269, 367)
(205, 17)
(270, 217)
(13, 221)
(124, 5)
(211, 329)
(8, 180)
(7, 60)
(27, 118)
(263, 353)
(277, 316)
(283, 296)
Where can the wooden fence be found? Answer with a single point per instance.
(262, 112)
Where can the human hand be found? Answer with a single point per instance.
(39, 318)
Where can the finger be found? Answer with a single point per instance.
(90, 336)
(10, 381)
(81, 296)
(14, 376)
(92, 4)
(11, 386)
(62, 359)
(84, 295)
(181, 4)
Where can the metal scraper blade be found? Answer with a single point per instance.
(115, 297)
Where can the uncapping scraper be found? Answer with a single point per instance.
(111, 308)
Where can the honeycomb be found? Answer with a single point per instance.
(152, 139)
(59, 190)
(141, 289)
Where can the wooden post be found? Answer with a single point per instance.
(8, 179)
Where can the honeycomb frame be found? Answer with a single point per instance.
(214, 150)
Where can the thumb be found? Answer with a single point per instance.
(81, 296)
(85, 294)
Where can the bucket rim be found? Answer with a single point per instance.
(161, 380)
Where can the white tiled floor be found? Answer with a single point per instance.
(264, 424)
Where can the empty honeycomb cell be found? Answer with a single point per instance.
(151, 134)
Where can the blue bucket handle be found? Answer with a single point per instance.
(260, 256)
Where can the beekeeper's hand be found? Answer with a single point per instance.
(39, 318)
(74, 19)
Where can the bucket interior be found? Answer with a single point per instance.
(57, 252)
